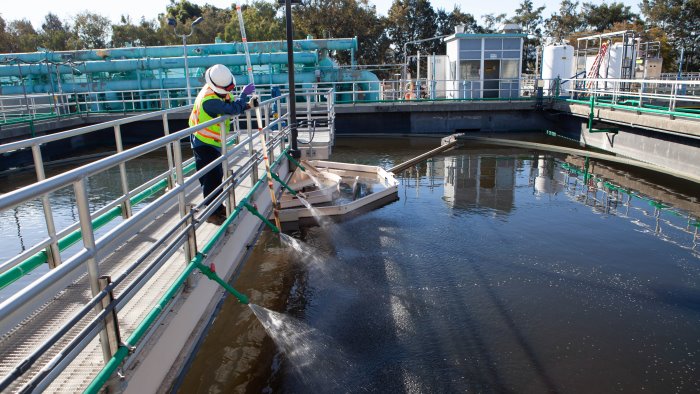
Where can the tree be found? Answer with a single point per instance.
(183, 11)
(446, 23)
(214, 21)
(143, 34)
(602, 17)
(567, 21)
(90, 31)
(54, 33)
(492, 21)
(262, 21)
(679, 20)
(5, 39)
(530, 19)
(411, 20)
(344, 18)
(23, 36)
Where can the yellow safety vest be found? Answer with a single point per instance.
(209, 135)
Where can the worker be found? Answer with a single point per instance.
(215, 99)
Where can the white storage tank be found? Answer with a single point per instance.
(614, 64)
(558, 62)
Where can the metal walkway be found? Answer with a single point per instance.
(58, 332)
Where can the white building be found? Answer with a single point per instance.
(484, 65)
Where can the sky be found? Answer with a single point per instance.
(113, 9)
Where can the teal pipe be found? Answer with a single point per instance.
(156, 64)
(257, 213)
(293, 160)
(211, 274)
(177, 50)
(277, 178)
(176, 83)
(123, 351)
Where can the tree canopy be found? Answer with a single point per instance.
(381, 39)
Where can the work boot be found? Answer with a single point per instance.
(218, 216)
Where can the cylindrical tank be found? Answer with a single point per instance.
(614, 63)
(558, 62)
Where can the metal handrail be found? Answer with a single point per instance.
(28, 143)
(29, 298)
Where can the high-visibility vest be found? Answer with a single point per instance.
(209, 135)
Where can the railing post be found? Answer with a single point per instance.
(169, 151)
(224, 151)
(53, 253)
(81, 199)
(111, 322)
(190, 245)
(126, 204)
(266, 111)
(271, 149)
(251, 151)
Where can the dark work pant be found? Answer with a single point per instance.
(203, 155)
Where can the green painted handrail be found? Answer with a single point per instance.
(146, 323)
(31, 263)
(640, 109)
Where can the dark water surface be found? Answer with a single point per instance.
(498, 270)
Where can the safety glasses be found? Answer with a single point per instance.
(230, 87)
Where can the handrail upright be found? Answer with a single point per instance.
(169, 151)
(126, 204)
(82, 201)
(53, 252)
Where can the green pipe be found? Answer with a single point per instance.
(211, 274)
(10, 276)
(255, 212)
(123, 350)
(647, 110)
(141, 329)
(277, 178)
(293, 160)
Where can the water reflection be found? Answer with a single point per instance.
(486, 181)
(495, 273)
(477, 180)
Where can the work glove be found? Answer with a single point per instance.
(248, 89)
(254, 101)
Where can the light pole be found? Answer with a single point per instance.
(172, 22)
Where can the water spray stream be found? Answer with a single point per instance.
(316, 358)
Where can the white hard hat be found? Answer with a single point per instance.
(220, 79)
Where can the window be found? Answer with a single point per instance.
(470, 69)
(470, 45)
(511, 43)
(510, 68)
(493, 43)
(470, 55)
